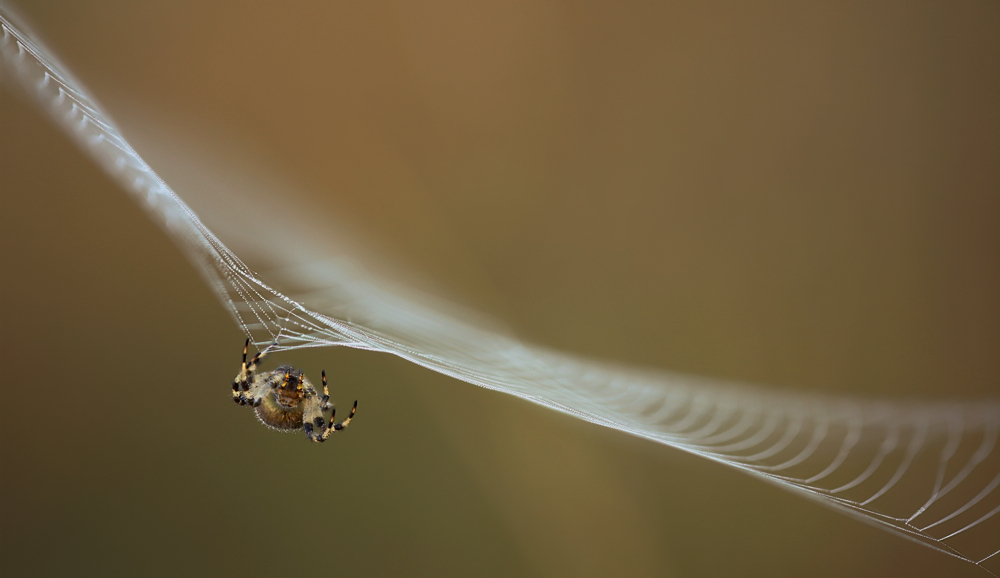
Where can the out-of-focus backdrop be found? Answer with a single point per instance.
(793, 194)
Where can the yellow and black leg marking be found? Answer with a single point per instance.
(316, 428)
(339, 426)
(245, 379)
(241, 384)
(249, 370)
(326, 394)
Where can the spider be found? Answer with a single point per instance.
(285, 400)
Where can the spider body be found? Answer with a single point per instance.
(282, 410)
(285, 400)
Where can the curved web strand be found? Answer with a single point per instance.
(926, 471)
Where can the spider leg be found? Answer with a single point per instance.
(240, 384)
(326, 393)
(338, 426)
(238, 394)
(248, 370)
(316, 428)
(243, 381)
(242, 396)
(261, 387)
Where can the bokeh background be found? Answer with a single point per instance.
(787, 193)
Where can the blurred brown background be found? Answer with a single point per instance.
(786, 193)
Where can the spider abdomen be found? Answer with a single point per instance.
(277, 416)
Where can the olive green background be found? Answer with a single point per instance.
(787, 193)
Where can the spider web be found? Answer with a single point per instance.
(926, 471)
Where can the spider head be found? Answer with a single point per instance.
(290, 390)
